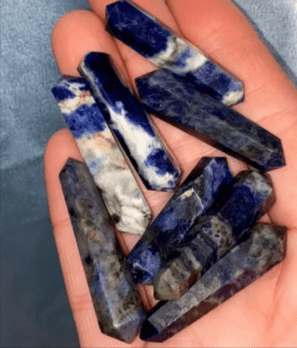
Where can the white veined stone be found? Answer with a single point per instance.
(232, 97)
(141, 145)
(68, 106)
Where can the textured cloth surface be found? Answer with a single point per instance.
(34, 306)
(276, 23)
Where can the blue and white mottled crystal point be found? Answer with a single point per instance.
(143, 33)
(114, 294)
(176, 101)
(122, 196)
(264, 248)
(251, 196)
(130, 123)
(203, 187)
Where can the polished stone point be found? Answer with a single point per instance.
(207, 181)
(176, 101)
(153, 40)
(264, 248)
(130, 124)
(114, 294)
(251, 196)
(120, 192)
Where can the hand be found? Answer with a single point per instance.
(265, 313)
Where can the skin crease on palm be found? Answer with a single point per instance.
(265, 313)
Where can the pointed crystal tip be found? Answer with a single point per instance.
(128, 331)
(70, 163)
(148, 331)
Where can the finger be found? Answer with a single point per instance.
(285, 298)
(60, 147)
(73, 36)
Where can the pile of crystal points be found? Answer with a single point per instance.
(206, 244)
(210, 254)
(206, 184)
(250, 197)
(259, 252)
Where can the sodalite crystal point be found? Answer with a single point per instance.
(143, 33)
(176, 101)
(130, 123)
(122, 196)
(251, 196)
(264, 248)
(114, 294)
(196, 195)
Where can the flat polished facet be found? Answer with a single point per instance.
(130, 123)
(251, 196)
(264, 248)
(143, 33)
(120, 192)
(176, 101)
(114, 294)
(196, 195)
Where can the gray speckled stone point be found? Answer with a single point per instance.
(264, 248)
(114, 294)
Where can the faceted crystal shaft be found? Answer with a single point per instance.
(143, 33)
(195, 196)
(246, 262)
(114, 294)
(251, 196)
(176, 101)
(120, 192)
(130, 123)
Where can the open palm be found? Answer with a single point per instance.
(263, 314)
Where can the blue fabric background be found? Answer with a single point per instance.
(34, 307)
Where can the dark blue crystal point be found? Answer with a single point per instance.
(264, 248)
(128, 120)
(251, 196)
(196, 195)
(114, 294)
(175, 100)
(143, 33)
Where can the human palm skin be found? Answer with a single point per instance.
(265, 313)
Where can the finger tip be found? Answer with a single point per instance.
(68, 23)
(59, 148)
(73, 35)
